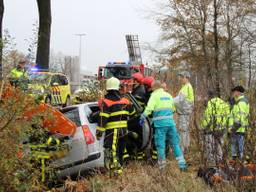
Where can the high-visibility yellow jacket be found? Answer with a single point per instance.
(215, 116)
(16, 73)
(239, 116)
(187, 91)
(184, 102)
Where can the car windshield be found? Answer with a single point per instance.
(39, 78)
(118, 72)
(73, 115)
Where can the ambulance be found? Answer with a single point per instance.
(51, 88)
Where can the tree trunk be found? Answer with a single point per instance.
(44, 34)
(250, 66)
(203, 15)
(216, 47)
(1, 36)
(229, 49)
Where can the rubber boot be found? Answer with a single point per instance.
(140, 155)
(182, 163)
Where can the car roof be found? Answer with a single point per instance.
(47, 73)
(71, 107)
(118, 65)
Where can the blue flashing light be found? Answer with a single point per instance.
(119, 63)
(34, 69)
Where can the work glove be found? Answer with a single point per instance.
(142, 120)
(236, 126)
(133, 134)
(99, 134)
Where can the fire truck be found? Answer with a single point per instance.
(124, 70)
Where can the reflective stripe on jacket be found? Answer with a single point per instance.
(114, 113)
(215, 115)
(162, 106)
(240, 114)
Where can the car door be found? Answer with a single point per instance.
(64, 88)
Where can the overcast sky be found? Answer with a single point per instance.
(105, 24)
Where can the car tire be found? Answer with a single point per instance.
(48, 100)
(68, 101)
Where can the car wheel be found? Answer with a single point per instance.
(107, 158)
(48, 100)
(144, 132)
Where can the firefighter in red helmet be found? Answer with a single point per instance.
(138, 90)
(147, 82)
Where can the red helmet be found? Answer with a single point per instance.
(148, 81)
(138, 77)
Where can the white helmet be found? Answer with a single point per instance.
(113, 84)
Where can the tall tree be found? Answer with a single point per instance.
(44, 34)
(213, 37)
(216, 45)
(1, 34)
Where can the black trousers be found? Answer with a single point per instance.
(153, 150)
(115, 141)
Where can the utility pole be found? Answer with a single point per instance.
(80, 35)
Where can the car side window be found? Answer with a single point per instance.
(55, 79)
(63, 80)
(73, 115)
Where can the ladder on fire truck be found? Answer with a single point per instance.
(134, 52)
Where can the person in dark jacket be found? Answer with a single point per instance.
(147, 82)
(138, 90)
(114, 115)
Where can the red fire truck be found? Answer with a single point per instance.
(124, 71)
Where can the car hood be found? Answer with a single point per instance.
(36, 86)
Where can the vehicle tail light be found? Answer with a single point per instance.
(89, 138)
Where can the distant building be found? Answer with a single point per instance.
(70, 66)
(87, 75)
(74, 72)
